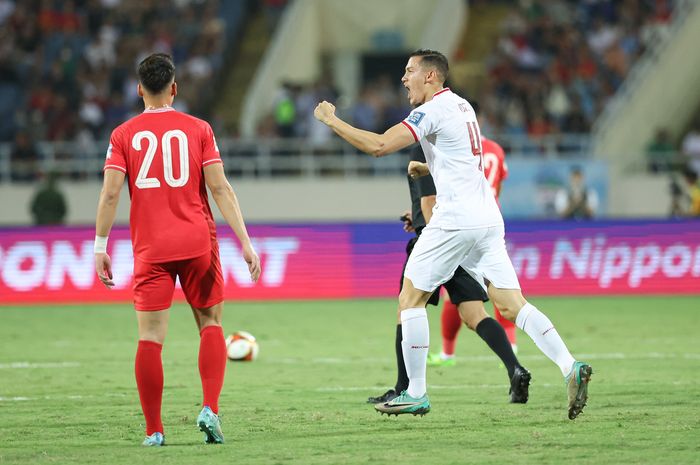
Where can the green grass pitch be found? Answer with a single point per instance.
(68, 395)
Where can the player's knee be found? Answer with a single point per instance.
(152, 334)
(508, 301)
(507, 312)
(209, 316)
(407, 299)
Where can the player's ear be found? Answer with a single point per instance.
(139, 90)
(173, 89)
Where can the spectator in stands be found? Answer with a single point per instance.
(693, 191)
(75, 59)
(285, 110)
(24, 159)
(365, 114)
(315, 132)
(661, 152)
(48, 206)
(572, 56)
(691, 148)
(576, 202)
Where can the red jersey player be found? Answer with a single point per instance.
(495, 170)
(170, 158)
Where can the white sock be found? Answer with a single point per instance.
(415, 344)
(542, 331)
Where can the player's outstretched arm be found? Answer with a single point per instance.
(226, 200)
(377, 145)
(106, 212)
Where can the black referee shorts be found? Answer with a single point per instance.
(461, 287)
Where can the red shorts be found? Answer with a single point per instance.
(200, 277)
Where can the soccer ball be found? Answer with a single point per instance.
(241, 346)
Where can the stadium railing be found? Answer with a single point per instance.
(270, 157)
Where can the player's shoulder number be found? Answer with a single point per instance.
(145, 182)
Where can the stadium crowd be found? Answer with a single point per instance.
(67, 66)
(66, 70)
(553, 68)
(557, 63)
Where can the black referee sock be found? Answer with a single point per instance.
(495, 336)
(402, 379)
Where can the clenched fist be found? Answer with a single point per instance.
(417, 169)
(324, 112)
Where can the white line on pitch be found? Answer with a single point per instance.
(61, 397)
(20, 365)
(491, 358)
(462, 387)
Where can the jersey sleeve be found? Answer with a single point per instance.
(210, 150)
(116, 152)
(421, 121)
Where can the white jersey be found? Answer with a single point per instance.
(449, 134)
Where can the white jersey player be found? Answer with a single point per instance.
(466, 228)
(448, 132)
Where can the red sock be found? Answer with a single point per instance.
(149, 380)
(212, 364)
(508, 326)
(451, 323)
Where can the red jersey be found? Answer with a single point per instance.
(495, 168)
(163, 153)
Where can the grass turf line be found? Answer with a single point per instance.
(302, 402)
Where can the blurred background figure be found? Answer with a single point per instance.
(48, 206)
(24, 159)
(691, 148)
(285, 110)
(692, 187)
(577, 201)
(661, 152)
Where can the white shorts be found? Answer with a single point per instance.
(482, 252)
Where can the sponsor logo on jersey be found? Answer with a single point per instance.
(416, 117)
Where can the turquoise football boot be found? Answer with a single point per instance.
(577, 387)
(155, 439)
(210, 424)
(404, 403)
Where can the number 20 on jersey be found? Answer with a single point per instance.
(142, 180)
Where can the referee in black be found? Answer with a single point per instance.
(462, 289)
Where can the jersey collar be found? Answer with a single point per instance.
(159, 110)
(446, 89)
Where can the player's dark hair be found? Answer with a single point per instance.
(156, 71)
(432, 58)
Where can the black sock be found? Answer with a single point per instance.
(495, 336)
(402, 379)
